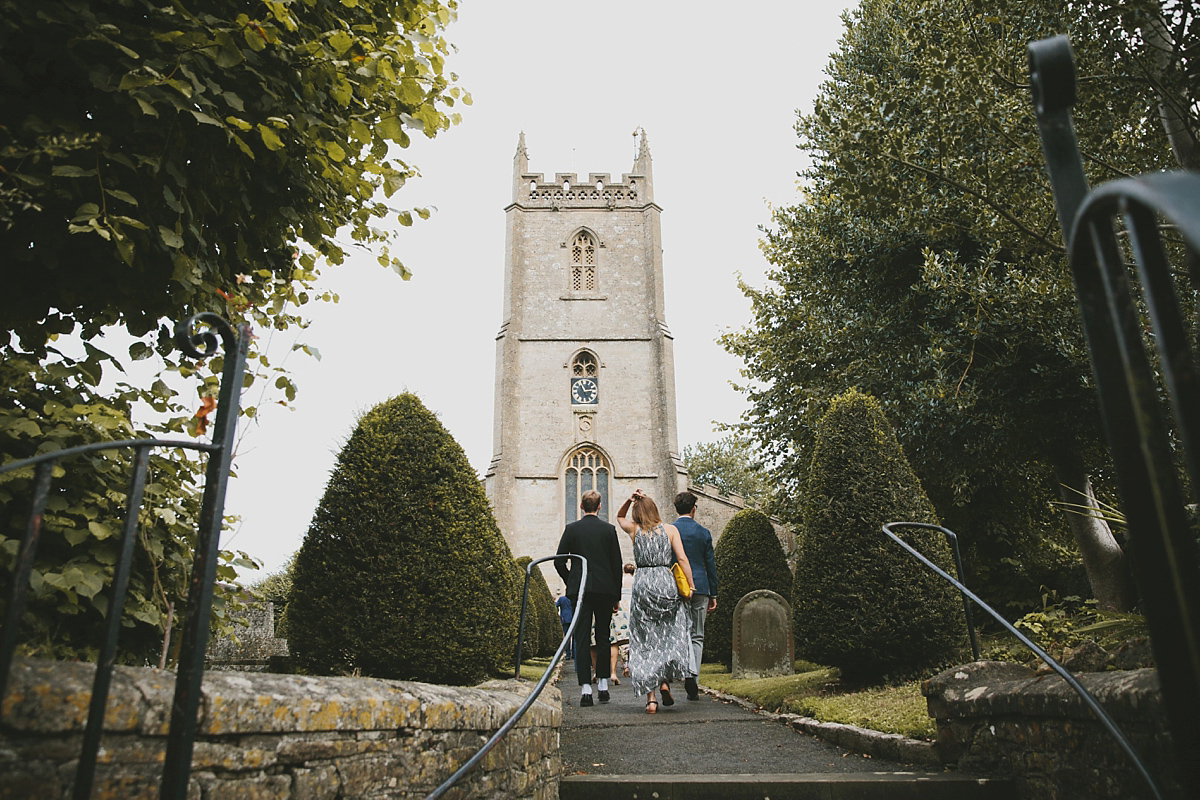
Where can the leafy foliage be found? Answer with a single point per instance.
(924, 265)
(187, 145)
(860, 603)
(748, 557)
(730, 465)
(79, 541)
(403, 572)
(157, 160)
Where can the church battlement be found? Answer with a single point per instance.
(531, 190)
(567, 191)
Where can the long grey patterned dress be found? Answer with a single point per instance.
(659, 634)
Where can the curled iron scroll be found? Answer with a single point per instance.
(1052, 74)
(202, 343)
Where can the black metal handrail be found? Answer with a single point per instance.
(1066, 675)
(197, 614)
(537, 689)
(1161, 542)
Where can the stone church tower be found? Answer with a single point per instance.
(585, 368)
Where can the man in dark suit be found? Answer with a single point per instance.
(595, 540)
(697, 544)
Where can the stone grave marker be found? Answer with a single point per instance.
(762, 636)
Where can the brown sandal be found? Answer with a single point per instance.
(650, 710)
(665, 691)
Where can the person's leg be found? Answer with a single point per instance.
(603, 611)
(583, 636)
(697, 608)
(612, 672)
(697, 613)
(571, 644)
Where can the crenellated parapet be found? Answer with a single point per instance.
(567, 191)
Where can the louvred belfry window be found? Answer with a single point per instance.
(583, 263)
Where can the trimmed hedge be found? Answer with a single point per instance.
(403, 573)
(541, 616)
(749, 557)
(860, 602)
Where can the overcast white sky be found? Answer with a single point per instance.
(715, 86)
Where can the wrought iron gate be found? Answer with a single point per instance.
(196, 343)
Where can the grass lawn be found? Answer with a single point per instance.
(814, 691)
(532, 669)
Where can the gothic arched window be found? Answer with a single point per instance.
(583, 263)
(584, 365)
(587, 469)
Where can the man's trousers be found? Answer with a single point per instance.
(594, 613)
(697, 611)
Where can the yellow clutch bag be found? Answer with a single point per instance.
(681, 582)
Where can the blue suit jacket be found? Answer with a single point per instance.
(697, 544)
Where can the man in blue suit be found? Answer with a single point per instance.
(697, 544)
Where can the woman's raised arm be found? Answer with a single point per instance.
(625, 523)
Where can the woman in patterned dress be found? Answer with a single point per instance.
(659, 632)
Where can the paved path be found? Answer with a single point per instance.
(707, 736)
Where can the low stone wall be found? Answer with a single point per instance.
(278, 736)
(1005, 719)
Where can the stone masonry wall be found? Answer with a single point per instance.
(714, 510)
(278, 736)
(1005, 719)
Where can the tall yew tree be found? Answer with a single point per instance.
(924, 265)
(404, 572)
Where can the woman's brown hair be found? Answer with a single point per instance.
(645, 513)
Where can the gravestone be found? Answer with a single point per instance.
(762, 636)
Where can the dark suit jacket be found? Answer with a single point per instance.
(697, 544)
(595, 540)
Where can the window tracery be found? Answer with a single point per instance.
(583, 263)
(587, 469)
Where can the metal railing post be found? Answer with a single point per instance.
(198, 612)
(1162, 545)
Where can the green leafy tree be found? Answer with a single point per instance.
(80, 529)
(403, 572)
(158, 160)
(860, 602)
(748, 557)
(924, 265)
(730, 465)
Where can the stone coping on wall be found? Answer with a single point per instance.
(52, 697)
(277, 736)
(996, 688)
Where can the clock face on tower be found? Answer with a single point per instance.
(584, 391)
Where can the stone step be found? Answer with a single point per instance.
(837, 786)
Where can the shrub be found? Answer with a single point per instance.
(860, 602)
(749, 557)
(541, 616)
(403, 573)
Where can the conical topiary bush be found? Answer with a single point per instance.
(541, 615)
(403, 573)
(860, 602)
(749, 557)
